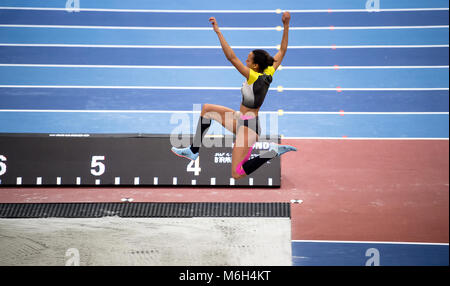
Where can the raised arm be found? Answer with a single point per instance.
(228, 51)
(284, 42)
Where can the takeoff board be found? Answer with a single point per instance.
(124, 160)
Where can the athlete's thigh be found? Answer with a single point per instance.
(245, 139)
(224, 115)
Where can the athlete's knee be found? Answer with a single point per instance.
(236, 176)
(205, 109)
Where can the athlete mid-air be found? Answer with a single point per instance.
(258, 72)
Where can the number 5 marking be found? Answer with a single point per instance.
(196, 169)
(95, 163)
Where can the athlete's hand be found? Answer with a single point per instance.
(286, 18)
(214, 23)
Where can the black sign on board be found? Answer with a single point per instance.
(122, 160)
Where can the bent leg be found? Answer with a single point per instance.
(274, 150)
(224, 115)
(245, 139)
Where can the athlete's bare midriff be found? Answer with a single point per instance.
(248, 111)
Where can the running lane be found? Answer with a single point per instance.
(392, 186)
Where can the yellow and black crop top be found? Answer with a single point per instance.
(254, 89)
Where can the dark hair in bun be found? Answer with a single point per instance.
(263, 59)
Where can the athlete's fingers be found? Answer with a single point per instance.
(214, 23)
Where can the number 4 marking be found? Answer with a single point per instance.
(196, 169)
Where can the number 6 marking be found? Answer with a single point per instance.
(2, 165)
(100, 165)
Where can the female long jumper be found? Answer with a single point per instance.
(258, 72)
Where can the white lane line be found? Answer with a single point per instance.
(365, 89)
(143, 28)
(116, 66)
(220, 67)
(368, 47)
(103, 111)
(123, 87)
(367, 138)
(132, 46)
(141, 10)
(219, 47)
(368, 10)
(226, 88)
(372, 242)
(192, 112)
(362, 113)
(369, 27)
(278, 11)
(278, 28)
(361, 67)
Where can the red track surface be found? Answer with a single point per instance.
(358, 190)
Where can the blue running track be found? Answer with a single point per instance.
(139, 66)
